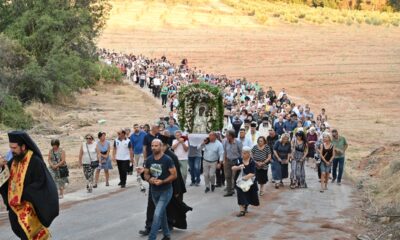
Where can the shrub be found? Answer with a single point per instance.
(12, 113)
(110, 74)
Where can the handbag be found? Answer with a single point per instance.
(63, 171)
(244, 184)
(93, 164)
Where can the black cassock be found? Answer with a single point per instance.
(40, 190)
(176, 209)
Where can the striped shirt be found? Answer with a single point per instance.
(261, 155)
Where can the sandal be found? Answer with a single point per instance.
(241, 214)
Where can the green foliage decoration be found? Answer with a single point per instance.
(191, 95)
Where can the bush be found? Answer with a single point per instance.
(110, 74)
(12, 113)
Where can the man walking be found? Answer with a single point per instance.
(148, 139)
(160, 172)
(232, 155)
(122, 154)
(137, 139)
(213, 153)
(341, 145)
(30, 193)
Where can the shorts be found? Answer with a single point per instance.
(325, 168)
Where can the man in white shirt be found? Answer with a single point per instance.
(213, 154)
(180, 146)
(253, 134)
(122, 154)
(245, 140)
(157, 86)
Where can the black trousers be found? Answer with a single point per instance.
(220, 176)
(164, 99)
(123, 166)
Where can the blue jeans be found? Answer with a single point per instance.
(161, 200)
(194, 165)
(338, 161)
(276, 170)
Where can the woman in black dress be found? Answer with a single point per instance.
(249, 197)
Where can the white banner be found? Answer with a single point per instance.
(196, 139)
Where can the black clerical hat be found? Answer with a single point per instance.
(21, 137)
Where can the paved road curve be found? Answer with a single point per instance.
(283, 214)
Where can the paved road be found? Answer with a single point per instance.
(284, 214)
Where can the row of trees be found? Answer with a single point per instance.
(47, 51)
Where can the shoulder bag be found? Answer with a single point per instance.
(93, 164)
(63, 170)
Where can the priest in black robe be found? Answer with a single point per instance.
(30, 193)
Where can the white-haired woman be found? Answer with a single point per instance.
(312, 138)
(281, 157)
(250, 197)
(327, 153)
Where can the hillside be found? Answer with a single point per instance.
(351, 70)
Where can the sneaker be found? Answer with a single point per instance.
(95, 186)
(192, 184)
(228, 195)
(212, 188)
(273, 181)
(207, 190)
(123, 186)
(144, 232)
(339, 183)
(333, 180)
(166, 238)
(119, 184)
(197, 184)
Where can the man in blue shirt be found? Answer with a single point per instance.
(278, 126)
(137, 139)
(172, 127)
(290, 125)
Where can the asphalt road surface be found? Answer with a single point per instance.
(112, 213)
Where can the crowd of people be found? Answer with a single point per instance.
(263, 132)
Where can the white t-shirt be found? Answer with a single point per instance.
(180, 151)
(86, 159)
(123, 147)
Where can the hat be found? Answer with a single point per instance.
(21, 137)
(164, 139)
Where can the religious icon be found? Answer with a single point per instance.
(200, 120)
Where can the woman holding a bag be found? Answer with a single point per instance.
(246, 187)
(88, 160)
(57, 166)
